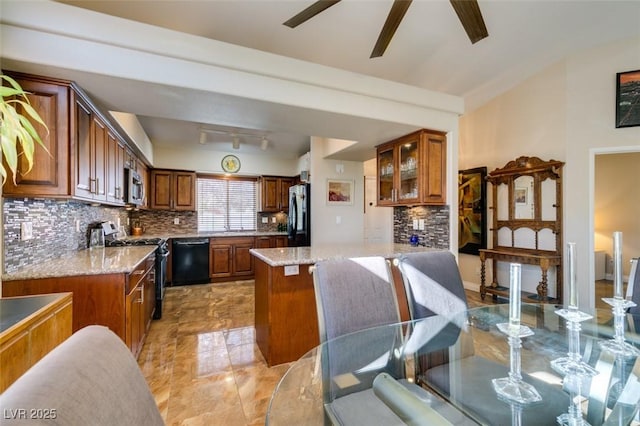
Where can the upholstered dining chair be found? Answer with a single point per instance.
(434, 286)
(633, 287)
(352, 295)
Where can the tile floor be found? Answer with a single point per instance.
(201, 360)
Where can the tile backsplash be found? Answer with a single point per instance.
(163, 222)
(54, 228)
(436, 230)
(275, 222)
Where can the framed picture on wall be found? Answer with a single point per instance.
(472, 195)
(628, 99)
(339, 192)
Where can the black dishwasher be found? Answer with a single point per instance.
(190, 261)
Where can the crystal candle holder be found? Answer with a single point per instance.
(573, 364)
(617, 345)
(513, 388)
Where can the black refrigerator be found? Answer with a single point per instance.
(299, 220)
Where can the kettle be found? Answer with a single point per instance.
(136, 228)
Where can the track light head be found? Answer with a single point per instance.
(264, 144)
(236, 142)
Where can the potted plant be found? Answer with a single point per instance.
(17, 134)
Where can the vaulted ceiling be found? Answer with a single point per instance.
(430, 48)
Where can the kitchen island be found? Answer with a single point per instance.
(30, 327)
(286, 321)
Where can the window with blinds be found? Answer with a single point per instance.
(226, 204)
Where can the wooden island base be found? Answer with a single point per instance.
(286, 320)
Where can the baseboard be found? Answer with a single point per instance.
(609, 277)
(468, 285)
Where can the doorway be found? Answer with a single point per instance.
(616, 204)
(378, 221)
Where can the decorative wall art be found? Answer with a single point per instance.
(628, 99)
(472, 195)
(340, 192)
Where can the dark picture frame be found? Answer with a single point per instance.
(628, 99)
(472, 217)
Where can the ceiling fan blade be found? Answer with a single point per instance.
(470, 16)
(394, 18)
(310, 12)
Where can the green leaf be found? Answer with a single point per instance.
(17, 129)
(12, 82)
(9, 151)
(8, 92)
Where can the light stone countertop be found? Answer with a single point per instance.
(310, 255)
(211, 234)
(108, 260)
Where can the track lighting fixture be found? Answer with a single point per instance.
(236, 136)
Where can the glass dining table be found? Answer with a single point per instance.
(454, 360)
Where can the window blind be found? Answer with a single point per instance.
(226, 204)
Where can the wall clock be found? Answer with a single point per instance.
(230, 163)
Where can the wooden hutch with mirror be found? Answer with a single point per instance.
(527, 223)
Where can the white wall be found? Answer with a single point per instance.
(210, 162)
(324, 229)
(131, 125)
(566, 112)
(591, 128)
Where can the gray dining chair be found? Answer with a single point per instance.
(353, 295)
(434, 286)
(633, 287)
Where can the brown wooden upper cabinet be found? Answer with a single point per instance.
(51, 173)
(275, 193)
(412, 169)
(91, 137)
(173, 190)
(86, 154)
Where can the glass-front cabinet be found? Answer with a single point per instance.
(405, 170)
(386, 168)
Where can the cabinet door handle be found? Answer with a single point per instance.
(141, 290)
(91, 185)
(138, 272)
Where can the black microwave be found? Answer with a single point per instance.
(134, 188)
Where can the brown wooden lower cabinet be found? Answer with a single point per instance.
(25, 343)
(271, 241)
(286, 321)
(124, 302)
(230, 257)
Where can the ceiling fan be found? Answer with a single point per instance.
(468, 12)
